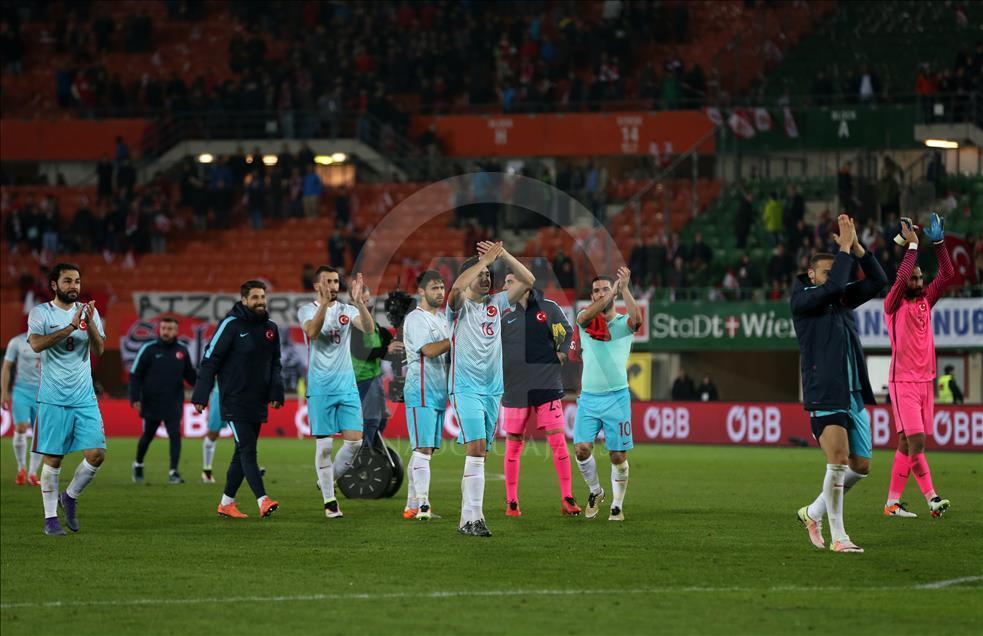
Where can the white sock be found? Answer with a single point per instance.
(833, 494)
(207, 453)
(420, 469)
(619, 483)
(588, 468)
(35, 463)
(20, 449)
(410, 484)
(346, 455)
(226, 500)
(83, 475)
(259, 502)
(817, 509)
(324, 467)
(49, 490)
(137, 464)
(473, 486)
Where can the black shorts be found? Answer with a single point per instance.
(820, 422)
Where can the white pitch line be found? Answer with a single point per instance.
(458, 594)
(938, 585)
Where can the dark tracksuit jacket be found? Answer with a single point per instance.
(529, 346)
(245, 355)
(827, 331)
(157, 380)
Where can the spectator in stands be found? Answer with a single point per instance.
(336, 248)
(49, 224)
(104, 178)
(793, 211)
(822, 90)
(126, 177)
(357, 236)
(700, 252)
(638, 262)
(683, 389)
(256, 199)
(563, 270)
(312, 190)
(679, 276)
(744, 219)
(772, 215)
(889, 187)
(730, 286)
(747, 276)
(935, 171)
(122, 150)
(707, 391)
(780, 267)
(867, 85)
(343, 206)
(844, 188)
(220, 190)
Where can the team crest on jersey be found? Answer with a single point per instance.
(492, 311)
(179, 355)
(541, 316)
(269, 334)
(83, 325)
(343, 319)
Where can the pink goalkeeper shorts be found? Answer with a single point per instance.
(548, 416)
(913, 404)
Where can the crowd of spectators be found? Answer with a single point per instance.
(310, 61)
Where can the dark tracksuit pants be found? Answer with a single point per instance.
(173, 434)
(244, 463)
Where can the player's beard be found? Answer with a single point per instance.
(68, 297)
(259, 310)
(912, 294)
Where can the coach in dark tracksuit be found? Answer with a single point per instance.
(157, 379)
(245, 355)
(535, 339)
(835, 386)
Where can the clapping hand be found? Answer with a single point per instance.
(936, 228)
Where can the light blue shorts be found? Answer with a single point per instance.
(425, 426)
(215, 423)
(332, 414)
(60, 430)
(856, 421)
(610, 411)
(478, 416)
(24, 407)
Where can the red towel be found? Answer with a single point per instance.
(598, 328)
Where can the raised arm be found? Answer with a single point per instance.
(935, 231)
(364, 322)
(894, 297)
(460, 286)
(97, 333)
(634, 312)
(809, 299)
(585, 317)
(40, 341)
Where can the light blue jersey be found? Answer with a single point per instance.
(476, 346)
(329, 369)
(66, 371)
(606, 361)
(426, 378)
(27, 365)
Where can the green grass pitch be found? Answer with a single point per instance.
(709, 545)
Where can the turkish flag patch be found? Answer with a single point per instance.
(83, 325)
(344, 320)
(179, 355)
(492, 311)
(541, 316)
(269, 334)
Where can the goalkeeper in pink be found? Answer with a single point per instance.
(908, 313)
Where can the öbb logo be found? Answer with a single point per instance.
(666, 423)
(958, 428)
(754, 424)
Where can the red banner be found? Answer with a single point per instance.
(595, 134)
(728, 423)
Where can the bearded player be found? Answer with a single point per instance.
(908, 313)
(605, 402)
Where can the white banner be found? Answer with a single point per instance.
(957, 323)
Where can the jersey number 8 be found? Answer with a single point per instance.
(70, 343)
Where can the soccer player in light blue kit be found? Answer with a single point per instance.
(333, 404)
(605, 338)
(215, 426)
(476, 380)
(426, 337)
(65, 333)
(25, 364)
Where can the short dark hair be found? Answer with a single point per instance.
(426, 277)
(59, 268)
(250, 285)
(949, 369)
(326, 268)
(468, 264)
(164, 319)
(601, 277)
(820, 256)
